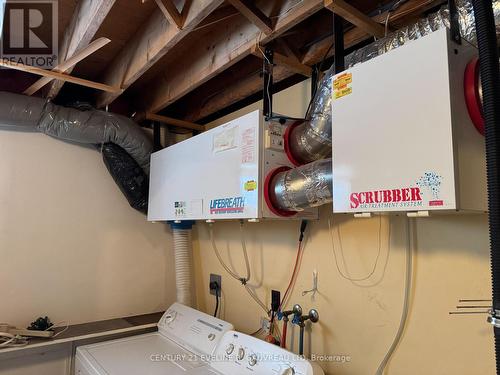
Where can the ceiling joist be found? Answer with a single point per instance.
(407, 11)
(174, 122)
(289, 62)
(252, 84)
(68, 64)
(248, 9)
(58, 76)
(152, 42)
(170, 11)
(356, 17)
(86, 20)
(228, 45)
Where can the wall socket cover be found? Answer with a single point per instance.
(216, 278)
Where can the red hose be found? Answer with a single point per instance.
(283, 335)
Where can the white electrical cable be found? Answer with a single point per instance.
(10, 340)
(406, 303)
(221, 261)
(234, 275)
(245, 253)
(347, 275)
(59, 325)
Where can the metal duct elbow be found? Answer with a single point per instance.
(292, 190)
(312, 140)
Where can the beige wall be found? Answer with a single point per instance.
(360, 319)
(70, 245)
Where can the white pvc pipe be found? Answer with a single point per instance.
(182, 254)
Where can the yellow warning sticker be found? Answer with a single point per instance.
(342, 80)
(250, 185)
(342, 92)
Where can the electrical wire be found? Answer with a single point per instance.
(406, 302)
(346, 275)
(256, 299)
(58, 325)
(216, 301)
(245, 253)
(224, 265)
(298, 258)
(234, 275)
(10, 340)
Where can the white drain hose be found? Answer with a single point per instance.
(182, 254)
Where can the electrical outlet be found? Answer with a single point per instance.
(275, 300)
(265, 324)
(218, 280)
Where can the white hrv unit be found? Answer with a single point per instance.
(219, 174)
(402, 137)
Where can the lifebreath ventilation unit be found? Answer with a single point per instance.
(220, 173)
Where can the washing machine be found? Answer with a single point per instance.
(240, 354)
(185, 341)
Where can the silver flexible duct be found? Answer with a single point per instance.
(26, 113)
(312, 140)
(307, 186)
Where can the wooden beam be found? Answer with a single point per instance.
(151, 43)
(175, 122)
(66, 65)
(57, 75)
(253, 14)
(355, 17)
(238, 90)
(170, 11)
(221, 48)
(87, 19)
(289, 62)
(288, 50)
(407, 11)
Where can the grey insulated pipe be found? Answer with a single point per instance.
(291, 190)
(312, 140)
(125, 147)
(26, 113)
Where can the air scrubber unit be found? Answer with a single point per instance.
(220, 173)
(403, 139)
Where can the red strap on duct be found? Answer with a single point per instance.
(267, 193)
(472, 97)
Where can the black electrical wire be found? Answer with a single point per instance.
(216, 301)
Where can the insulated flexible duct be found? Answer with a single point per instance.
(490, 80)
(26, 113)
(312, 140)
(296, 189)
(21, 112)
(182, 254)
(128, 175)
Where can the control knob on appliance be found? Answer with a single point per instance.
(252, 360)
(241, 354)
(229, 349)
(170, 317)
(288, 371)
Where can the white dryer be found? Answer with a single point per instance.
(185, 341)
